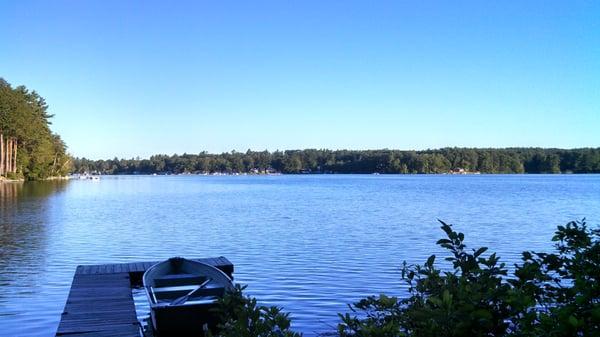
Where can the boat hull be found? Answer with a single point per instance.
(182, 294)
(191, 320)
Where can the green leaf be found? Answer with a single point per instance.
(482, 314)
(480, 251)
(430, 261)
(446, 297)
(573, 321)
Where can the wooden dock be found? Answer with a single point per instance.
(100, 302)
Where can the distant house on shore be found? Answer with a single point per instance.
(462, 171)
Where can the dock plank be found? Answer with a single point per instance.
(125, 331)
(99, 302)
(140, 267)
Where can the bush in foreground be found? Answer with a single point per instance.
(548, 295)
(240, 316)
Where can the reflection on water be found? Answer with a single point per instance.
(308, 243)
(24, 210)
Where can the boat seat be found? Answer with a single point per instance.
(178, 280)
(159, 290)
(170, 293)
(204, 300)
(216, 291)
(174, 292)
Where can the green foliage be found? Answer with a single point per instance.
(380, 316)
(240, 316)
(549, 294)
(513, 160)
(24, 116)
(13, 176)
(566, 284)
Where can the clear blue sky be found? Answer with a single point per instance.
(132, 79)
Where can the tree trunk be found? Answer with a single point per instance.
(54, 164)
(15, 160)
(12, 154)
(8, 156)
(1, 154)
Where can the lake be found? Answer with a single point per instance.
(309, 243)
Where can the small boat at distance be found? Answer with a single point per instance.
(86, 176)
(181, 293)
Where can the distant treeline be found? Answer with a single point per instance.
(510, 160)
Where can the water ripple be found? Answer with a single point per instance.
(311, 244)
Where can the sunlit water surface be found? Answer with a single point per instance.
(311, 244)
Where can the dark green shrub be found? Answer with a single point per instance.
(240, 316)
(13, 176)
(565, 285)
(549, 294)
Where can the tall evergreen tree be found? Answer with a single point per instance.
(25, 126)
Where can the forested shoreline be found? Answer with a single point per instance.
(508, 160)
(28, 147)
(30, 150)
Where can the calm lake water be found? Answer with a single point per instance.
(311, 244)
